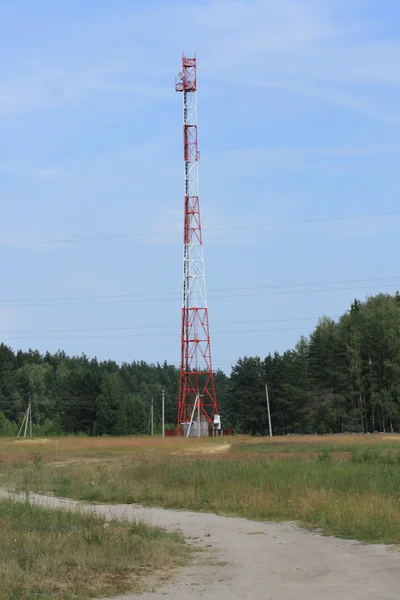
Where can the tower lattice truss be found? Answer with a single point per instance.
(197, 398)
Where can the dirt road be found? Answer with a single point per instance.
(254, 561)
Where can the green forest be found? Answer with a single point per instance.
(344, 377)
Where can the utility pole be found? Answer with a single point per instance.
(370, 395)
(269, 412)
(189, 427)
(163, 413)
(25, 421)
(199, 418)
(152, 417)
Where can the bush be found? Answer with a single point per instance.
(374, 456)
(7, 428)
(325, 456)
(47, 429)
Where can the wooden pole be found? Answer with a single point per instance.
(163, 413)
(269, 412)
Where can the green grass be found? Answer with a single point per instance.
(344, 485)
(307, 447)
(358, 498)
(60, 555)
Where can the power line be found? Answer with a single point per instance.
(71, 330)
(150, 294)
(137, 298)
(292, 285)
(284, 293)
(147, 335)
(130, 236)
(231, 296)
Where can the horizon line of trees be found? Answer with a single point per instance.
(345, 376)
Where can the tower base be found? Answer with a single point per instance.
(194, 429)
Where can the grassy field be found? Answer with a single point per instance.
(54, 554)
(343, 485)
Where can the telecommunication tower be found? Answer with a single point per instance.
(197, 406)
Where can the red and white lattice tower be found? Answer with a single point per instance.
(197, 407)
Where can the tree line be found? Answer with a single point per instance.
(344, 377)
(72, 395)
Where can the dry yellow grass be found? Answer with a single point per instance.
(343, 484)
(74, 447)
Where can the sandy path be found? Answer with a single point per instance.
(258, 561)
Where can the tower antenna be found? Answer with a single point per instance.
(197, 396)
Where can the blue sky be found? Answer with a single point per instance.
(299, 120)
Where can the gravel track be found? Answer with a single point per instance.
(248, 560)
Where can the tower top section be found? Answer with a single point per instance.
(186, 79)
